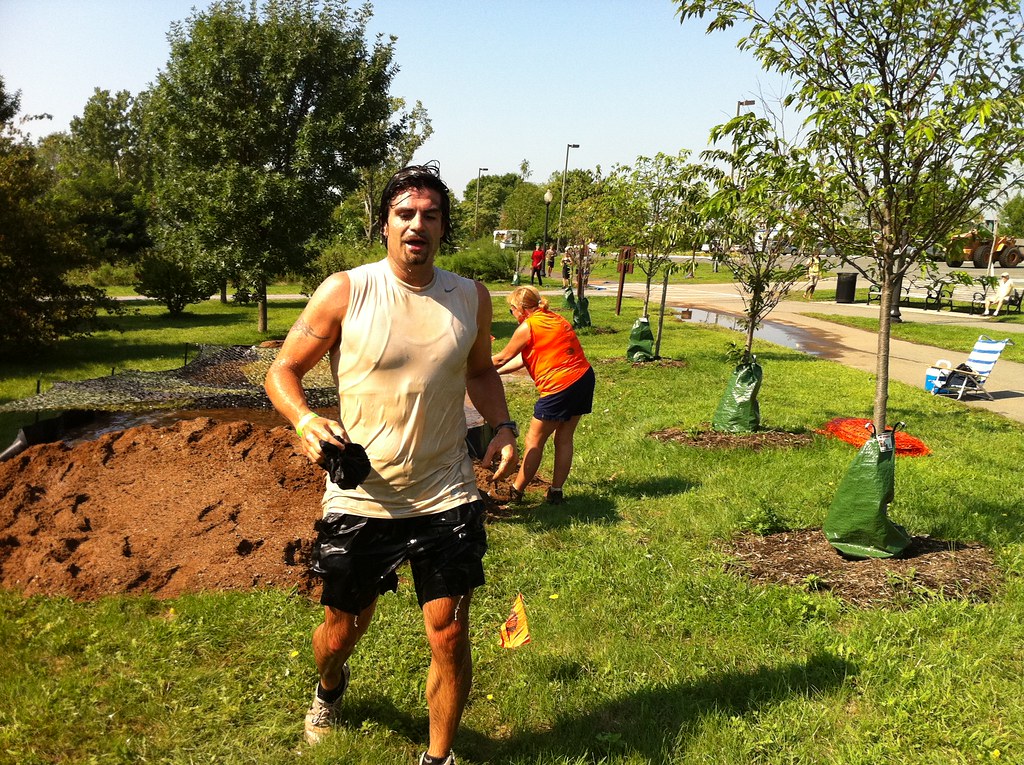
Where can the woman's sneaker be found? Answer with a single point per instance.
(322, 716)
(554, 496)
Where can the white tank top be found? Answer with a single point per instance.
(401, 374)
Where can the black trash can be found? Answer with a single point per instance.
(846, 287)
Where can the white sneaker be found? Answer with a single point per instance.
(322, 716)
(985, 314)
(449, 760)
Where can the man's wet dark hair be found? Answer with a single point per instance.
(426, 176)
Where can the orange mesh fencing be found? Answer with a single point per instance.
(854, 431)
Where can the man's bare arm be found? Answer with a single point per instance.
(314, 334)
(486, 391)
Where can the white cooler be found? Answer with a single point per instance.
(936, 375)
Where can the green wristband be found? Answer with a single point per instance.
(304, 421)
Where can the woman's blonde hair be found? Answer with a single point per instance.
(527, 298)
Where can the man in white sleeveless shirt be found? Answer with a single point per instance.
(407, 341)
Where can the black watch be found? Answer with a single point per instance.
(510, 424)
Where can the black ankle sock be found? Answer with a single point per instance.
(329, 697)
(428, 760)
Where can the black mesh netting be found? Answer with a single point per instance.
(218, 377)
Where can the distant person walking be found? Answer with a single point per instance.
(537, 263)
(566, 270)
(551, 260)
(813, 275)
(547, 346)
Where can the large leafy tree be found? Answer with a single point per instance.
(101, 187)
(1011, 217)
(259, 127)
(914, 112)
(411, 128)
(38, 302)
(480, 218)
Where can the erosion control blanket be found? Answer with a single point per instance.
(738, 411)
(857, 524)
(641, 341)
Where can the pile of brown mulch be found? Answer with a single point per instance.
(199, 505)
(712, 439)
(928, 568)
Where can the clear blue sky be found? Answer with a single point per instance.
(502, 80)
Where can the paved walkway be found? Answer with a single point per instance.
(856, 347)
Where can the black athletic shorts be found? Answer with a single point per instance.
(357, 557)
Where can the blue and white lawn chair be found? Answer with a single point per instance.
(969, 378)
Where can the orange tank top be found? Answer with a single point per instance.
(553, 357)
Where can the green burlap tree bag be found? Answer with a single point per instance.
(857, 524)
(569, 299)
(641, 341)
(738, 410)
(581, 313)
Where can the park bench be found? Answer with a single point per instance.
(932, 294)
(1012, 303)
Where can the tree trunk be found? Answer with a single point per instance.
(579, 277)
(749, 352)
(661, 315)
(261, 322)
(882, 353)
(224, 290)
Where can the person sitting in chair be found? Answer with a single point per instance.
(1003, 290)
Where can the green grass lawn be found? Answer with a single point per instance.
(645, 648)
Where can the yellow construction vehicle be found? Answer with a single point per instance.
(975, 246)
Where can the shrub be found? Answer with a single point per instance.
(481, 260)
(338, 256)
(172, 280)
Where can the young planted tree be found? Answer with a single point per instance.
(756, 212)
(656, 207)
(582, 223)
(914, 113)
(259, 126)
(915, 110)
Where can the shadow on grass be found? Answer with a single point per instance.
(648, 722)
(135, 322)
(653, 721)
(655, 486)
(577, 508)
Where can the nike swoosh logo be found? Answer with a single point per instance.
(451, 290)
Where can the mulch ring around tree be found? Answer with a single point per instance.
(929, 568)
(659, 362)
(712, 439)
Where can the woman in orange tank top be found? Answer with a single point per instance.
(547, 346)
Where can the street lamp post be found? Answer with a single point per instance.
(548, 199)
(561, 202)
(739, 105)
(476, 210)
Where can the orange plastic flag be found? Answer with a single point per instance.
(515, 631)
